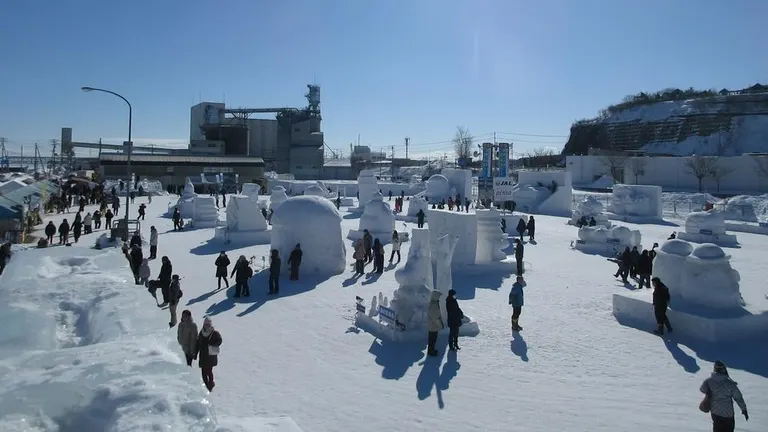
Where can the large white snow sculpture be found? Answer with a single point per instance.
(251, 190)
(707, 227)
(708, 280)
(277, 197)
(316, 190)
(245, 223)
(669, 261)
(438, 188)
(464, 225)
(609, 241)
(415, 204)
(548, 192)
(411, 299)
(315, 223)
(367, 186)
(442, 257)
(636, 200)
(589, 208)
(490, 239)
(377, 218)
(460, 181)
(205, 213)
(186, 203)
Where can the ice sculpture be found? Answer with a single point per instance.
(607, 241)
(315, 223)
(415, 204)
(367, 186)
(205, 213)
(277, 197)
(707, 227)
(589, 208)
(708, 280)
(490, 239)
(438, 188)
(186, 203)
(377, 218)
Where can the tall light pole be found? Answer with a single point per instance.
(129, 149)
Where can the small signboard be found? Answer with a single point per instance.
(613, 241)
(359, 306)
(503, 189)
(705, 232)
(387, 314)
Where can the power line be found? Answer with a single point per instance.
(533, 135)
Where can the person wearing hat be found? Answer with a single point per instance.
(434, 321)
(174, 294)
(207, 351)
(454, 318)
(516, 300)
(660, 304)
(721, 391)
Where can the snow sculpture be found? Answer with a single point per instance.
(707, 227)
(316, 190)
(490, 239)
(277, 197)
(411, 300)
(438, 188)
(245, 223)
(460, 181)
(315, 223)
(608, 241)
(367, 186)
(669, 261)
(442, 255)
(205, 213)
(377, 218)
(633, 200)
(548, 192)
(708, 280)
(442, 222)
(251, 190)
(589, 208)
(186, 203)
(415, 204)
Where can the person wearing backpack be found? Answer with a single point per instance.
(721, 391)
(207, 351)
(174, 295)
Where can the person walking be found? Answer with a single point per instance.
(720, 393)
(516, 300)
(420, 218)
(142, 211)
(88, 223)
(378, 257)
(395, 247)
(519, 256)
(174, 295)
(186, 335)
(275, 263)
(455, 318)
(50, 231)
(660, 303)
(359, 257)
(222, 265)
(144, 272)
(64, 232)
(152, 242)
(165, 277)
(207, 351)
(177, 225)
(294, 261)
(644, 269)
(108, 219)
(531, 227)
(435, 322)
(367, 244)
(136, 256)
(521, 227)
(242, 273)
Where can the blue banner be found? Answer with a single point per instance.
(503, 160)
(486, 170)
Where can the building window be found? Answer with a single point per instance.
(217, 170)
(212, 145)
(169, 170)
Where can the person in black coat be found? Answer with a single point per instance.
(644, 269)
(207, 351)
(166, 273)
(531, 227)
(64, 232)
(242, 273)
(176, 219)
(136, 239)
(294, 261)
(635, 259)
(455, 317)
(521, 226)
(660, 304)
(108, 219)
(624, 261)
(77, 229)
(274, 271)
(50, 231)
(519, 255)
(136, 256)
(222, 264)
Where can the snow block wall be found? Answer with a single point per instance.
(636, 200)
(415, 204)
(367, 186)
(490, 239)
(543, 200)
(460, 181)
(464, 225)
(244, 214)
(205, 213)
(707, 227)
(316, 224)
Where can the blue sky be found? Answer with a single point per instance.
(388, 69)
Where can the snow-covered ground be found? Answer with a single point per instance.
(85, 349)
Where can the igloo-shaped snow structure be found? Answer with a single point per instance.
(707, 227)
(640, 201)
(245, 223)
(277, 197)
(415, 204)
(367, 187)
(315, 223)
(490, 239)
(706, 302)
(589, 208)
(316, 190)
(377, 218)
(438, 188)
(607, 241)
(205, 213)
(186, 203)
(251, 190)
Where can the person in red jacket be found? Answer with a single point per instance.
(207, 351)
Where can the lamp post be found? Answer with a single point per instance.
(129, 150)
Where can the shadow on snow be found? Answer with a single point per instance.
(484, 276)
(432, 377)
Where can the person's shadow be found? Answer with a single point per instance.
(519, 347)
(431, 377)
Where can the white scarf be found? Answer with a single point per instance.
(207, 331)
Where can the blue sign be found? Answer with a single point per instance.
(613, 241)
(705, 232)
(387, 314)
(485, 172)
(503, 159)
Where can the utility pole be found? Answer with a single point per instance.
(35, 161)
(21, 160)
(407, 143)
(393, 151)
(4, 155)
(54, 143)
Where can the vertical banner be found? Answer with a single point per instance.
(486, 170)
(503, 159)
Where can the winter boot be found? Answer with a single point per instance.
(433, 353)
(659, 330)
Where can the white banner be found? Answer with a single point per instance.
(503, 189)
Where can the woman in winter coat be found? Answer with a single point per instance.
(721, 391)
(274, 271)
(186, 335)
(378, 257)
(222, 263)
(88, 223)
(207, 350)
(516, 300)
(395, 247)
(144, 272)
(174, 295)
(454, 318)
(152, 242)
(359, 256)
(434, 321)
(521, 226)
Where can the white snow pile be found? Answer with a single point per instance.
(604, 182)
(748, 208)
(317, 189)
(153, 187)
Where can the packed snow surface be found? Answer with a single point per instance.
(298, 355)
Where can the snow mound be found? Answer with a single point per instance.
(258, 424)
(438, 188)
(315, 223)
(708, 252)
(244, 214)
(746, 208)
(677, 247)
(604, 182)
(378, 219)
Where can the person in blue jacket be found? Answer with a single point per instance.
(516, 301)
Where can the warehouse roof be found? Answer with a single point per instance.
(183, 159)
(9, 209)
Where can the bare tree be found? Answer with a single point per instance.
(701, 167)
(462, 143)
(615, 165)
(637, 165)
(540, 157)
(719, 171)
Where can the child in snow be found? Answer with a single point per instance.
(144, 272)
(516, 301)
(207, 350)
(186, 335)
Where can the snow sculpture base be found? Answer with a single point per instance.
(707, 227)
(718, 239)
(463, 225)
(635, 201)
(491, 241)
(635, 309)
(607, 241)
(227, 236)
(383, 330)
(205, 214)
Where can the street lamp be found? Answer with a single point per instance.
(129, 150)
